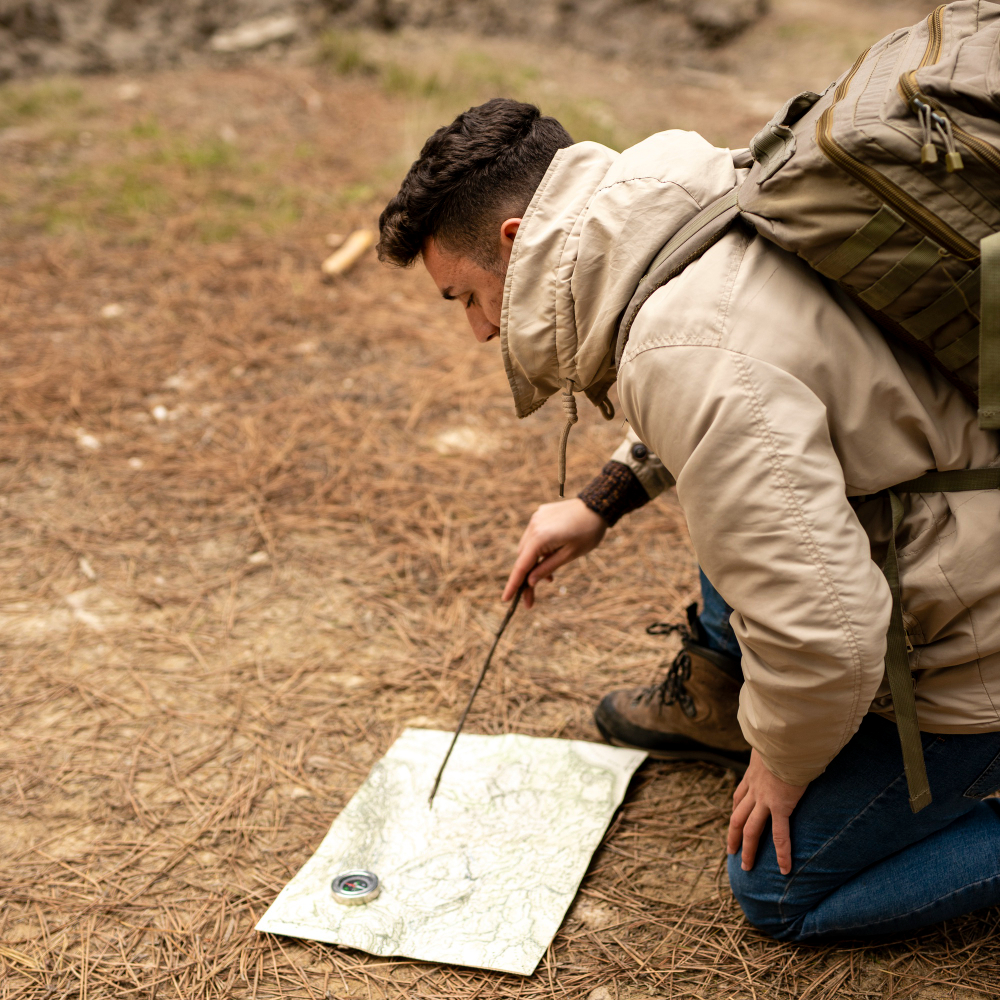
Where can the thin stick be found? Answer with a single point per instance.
(475, 689)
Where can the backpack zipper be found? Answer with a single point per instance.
(913, 96)
(935, 36)
(891, 194)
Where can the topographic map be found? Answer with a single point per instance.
(484, 878)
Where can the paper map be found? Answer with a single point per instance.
(484, 878)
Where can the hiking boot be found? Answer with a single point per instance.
(691, 714)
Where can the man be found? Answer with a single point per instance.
(769, 400)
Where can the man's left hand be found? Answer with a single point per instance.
(759, 795)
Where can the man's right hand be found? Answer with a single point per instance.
(557, 534)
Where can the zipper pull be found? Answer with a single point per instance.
(928, 151)
(952, 158)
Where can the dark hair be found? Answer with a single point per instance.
(471, 175)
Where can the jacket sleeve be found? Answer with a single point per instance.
(646, 467)
(763, 492)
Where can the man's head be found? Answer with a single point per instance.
(461, 203)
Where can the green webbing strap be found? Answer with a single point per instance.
(903, 275)
(989, 334)
(962, 296)
(861, 245)
(897, 663)
(699, 222)
(955, 481)
(897, 669)
(960, 352)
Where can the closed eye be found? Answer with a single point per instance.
(468, 305)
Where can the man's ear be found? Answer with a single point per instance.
(508, 230)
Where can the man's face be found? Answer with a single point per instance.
(480, 291)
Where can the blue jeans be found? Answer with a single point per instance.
(863, 865)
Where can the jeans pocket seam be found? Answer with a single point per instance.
(987, 783)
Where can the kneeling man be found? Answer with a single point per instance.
(769, 401)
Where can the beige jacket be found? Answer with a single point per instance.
(770, 400)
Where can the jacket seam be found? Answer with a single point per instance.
(656, 180)
(632, 351)
(786, 487)
(725, 300)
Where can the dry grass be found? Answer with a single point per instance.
(214, 623)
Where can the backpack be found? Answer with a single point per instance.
(888, 184)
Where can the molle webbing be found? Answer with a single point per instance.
(903, 275)
(977, 293)
(861, 245)
(961, 297)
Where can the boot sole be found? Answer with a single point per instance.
(734, 760)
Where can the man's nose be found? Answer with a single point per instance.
(483, 329)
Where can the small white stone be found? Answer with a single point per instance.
(135, 463)
(86, 569)
(160, 412)
(130, 91)
(87, 441)
(254, 34)
(112, 310)
(258, 558)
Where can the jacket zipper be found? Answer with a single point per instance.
(891, 194)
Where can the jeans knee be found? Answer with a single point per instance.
(761, 895)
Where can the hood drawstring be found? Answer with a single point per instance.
(569, 408)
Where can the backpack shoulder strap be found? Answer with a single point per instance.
(702, 232)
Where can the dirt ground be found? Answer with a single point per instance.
(254, 524)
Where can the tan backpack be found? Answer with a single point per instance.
(889, 184)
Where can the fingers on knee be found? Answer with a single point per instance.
(759, 896)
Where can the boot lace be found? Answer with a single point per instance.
(671, 689)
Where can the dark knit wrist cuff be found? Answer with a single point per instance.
(614, 493)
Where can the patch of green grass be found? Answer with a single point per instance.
(356, 194)
(590, 120)
(145, 128)
(397, 79)
(344, 54)
(481, 73)
(20, 103)
(133, 193)
(795, 30)
(209, 155)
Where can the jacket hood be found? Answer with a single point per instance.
(593, 226)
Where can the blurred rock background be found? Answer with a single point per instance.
(56, 36)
